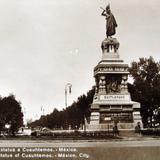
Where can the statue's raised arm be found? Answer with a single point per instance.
(111, 23)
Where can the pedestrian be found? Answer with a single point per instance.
(115, 130)
(138, 128)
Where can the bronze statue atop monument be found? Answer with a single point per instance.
(111, 23)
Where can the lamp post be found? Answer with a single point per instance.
(24, 116)
(42, 110)
(67, 86)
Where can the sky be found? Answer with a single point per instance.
(45, 44)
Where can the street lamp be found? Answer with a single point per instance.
(24, 115)
(67, 86)
(42, 110)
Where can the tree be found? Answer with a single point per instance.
(146, 87)
(11, 113)
(71, 116)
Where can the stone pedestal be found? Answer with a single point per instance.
(112, 102)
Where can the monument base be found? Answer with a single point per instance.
(112, 106)
(104, 116)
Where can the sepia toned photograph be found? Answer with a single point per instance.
(79, 80)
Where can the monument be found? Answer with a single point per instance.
(112, 102)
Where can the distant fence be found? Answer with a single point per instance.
(75, 134)
(151, 131)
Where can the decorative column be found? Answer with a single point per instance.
(124, 87)
(102, 85)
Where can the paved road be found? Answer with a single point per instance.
(129, 149)
(81, 143)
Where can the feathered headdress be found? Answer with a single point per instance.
(108, 7)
